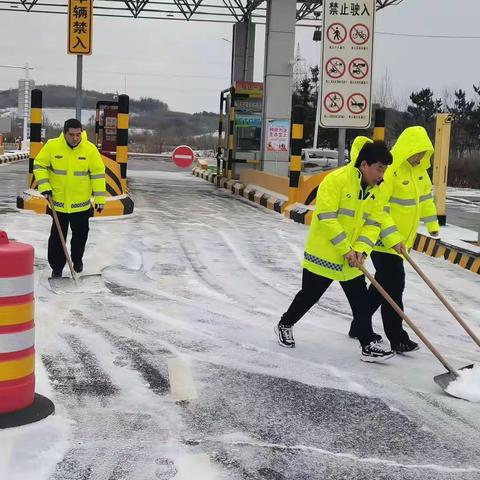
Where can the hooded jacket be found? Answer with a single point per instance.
(73, 175)
(346, 217)
(407, 192)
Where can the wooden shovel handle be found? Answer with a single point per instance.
(62, 239)
(407, 319)
(441, 298)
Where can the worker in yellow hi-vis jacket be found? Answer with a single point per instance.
(408, 197)
(345, 227)
(69, 171)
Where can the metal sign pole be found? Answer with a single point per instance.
(317, 116)
(78, 95)
(342, 132)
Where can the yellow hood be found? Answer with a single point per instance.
(411, 141)
(357, 145)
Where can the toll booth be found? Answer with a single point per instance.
(106, 128)
(111, 138)
(242, 104)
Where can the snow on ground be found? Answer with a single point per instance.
(467, 385)
(464, 193)
(172, 371)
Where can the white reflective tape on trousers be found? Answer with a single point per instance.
(16, 342)
(16, 286)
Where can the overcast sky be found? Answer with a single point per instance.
(187, 64)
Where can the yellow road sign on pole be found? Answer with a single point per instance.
(80, 26)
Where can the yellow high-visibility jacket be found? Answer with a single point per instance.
(74, 175)
(407, 192)
(346, 218)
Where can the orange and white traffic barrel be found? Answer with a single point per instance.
(17, 328)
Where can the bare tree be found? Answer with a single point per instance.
(387, 3)
(447, 98)
(383, 91)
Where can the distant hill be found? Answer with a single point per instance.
(62, 96)
(147, 113)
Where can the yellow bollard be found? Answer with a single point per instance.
(296, 154)
(443, 130)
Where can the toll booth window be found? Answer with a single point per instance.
(248, 139)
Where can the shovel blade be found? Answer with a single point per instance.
(444, 380)
(84, 284)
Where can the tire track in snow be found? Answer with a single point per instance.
(135, 352)
(326, 305)
(80, 374)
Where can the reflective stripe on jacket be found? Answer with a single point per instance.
(73, 174)
(407, 192)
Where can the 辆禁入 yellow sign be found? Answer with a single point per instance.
(80, 25)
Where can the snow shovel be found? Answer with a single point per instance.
(442, 380)
(64, 284)
(441, 298)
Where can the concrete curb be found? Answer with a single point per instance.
(246, 191)
(437, 248)
(299, 213)
(13, 157)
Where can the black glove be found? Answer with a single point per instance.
(47, 194)
(99, 207)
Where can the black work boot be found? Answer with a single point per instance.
(78, 267)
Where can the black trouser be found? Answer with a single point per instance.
(390, 274)
(314, 286)
(79, 224)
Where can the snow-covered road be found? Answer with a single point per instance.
(172, 371)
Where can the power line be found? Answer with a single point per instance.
(460, 37)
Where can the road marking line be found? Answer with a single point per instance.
(196, 467)
(182, 387)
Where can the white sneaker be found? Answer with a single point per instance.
(285, 335)
(375, 352)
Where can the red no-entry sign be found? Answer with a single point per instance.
(183, 156)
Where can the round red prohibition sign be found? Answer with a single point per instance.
(335, 67)
(358, 68)
(357, 103)
(183, 156)
(337, 33)
(333, 102)
(359, 34)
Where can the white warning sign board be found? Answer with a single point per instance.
(347, 64)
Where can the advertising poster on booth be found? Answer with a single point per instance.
(278, 135)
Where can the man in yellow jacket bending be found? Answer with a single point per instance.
(407, 191)
(69, 171)
(344, 229)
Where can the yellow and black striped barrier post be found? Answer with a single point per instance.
(379, 125)
(122, 138)
(443, 129)
(35, 133)
(231, 133)
(296, 145)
